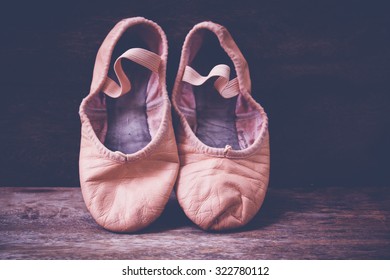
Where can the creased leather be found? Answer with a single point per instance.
(127, 196)
(221, 193)
(218, 188)
(127, 192)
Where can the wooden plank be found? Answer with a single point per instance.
(296, 223)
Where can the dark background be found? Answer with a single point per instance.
(320, 70)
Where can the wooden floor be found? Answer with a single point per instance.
(326, 223)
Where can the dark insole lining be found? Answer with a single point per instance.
(216, 117)
(216, 126)
(127, 127)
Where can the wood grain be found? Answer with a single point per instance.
(295, 223)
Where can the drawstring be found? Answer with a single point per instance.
(227, 149)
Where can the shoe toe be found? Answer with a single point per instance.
(128, 197)
(124, 207)
(221, 201)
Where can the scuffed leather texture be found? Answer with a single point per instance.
(127, 192)
(219, 193)
(220, 188)
(127, 196)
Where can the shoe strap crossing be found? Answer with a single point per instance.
(226, 88)
(148, 59)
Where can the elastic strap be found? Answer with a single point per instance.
(143, 57)
(226, 88)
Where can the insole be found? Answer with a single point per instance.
(216, 125)
(127, 126)
(216, 117)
